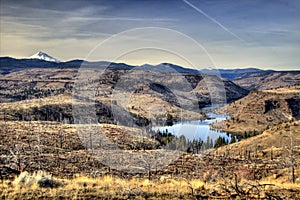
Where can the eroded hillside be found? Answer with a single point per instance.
(261, 109)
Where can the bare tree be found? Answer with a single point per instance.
(18, 157)
(292, 157)
(148, 165)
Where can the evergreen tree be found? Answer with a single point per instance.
(220, 142)
(232, 140)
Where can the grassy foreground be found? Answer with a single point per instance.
(42, 185)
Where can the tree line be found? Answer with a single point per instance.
(169, 141)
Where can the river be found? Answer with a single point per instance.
(196, 129)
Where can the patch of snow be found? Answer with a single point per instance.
(43, 56)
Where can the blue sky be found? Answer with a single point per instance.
(231, 34)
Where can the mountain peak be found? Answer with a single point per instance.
(43, 56)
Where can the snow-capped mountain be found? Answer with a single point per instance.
(43, 56)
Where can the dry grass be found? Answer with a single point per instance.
(103, 187)
(109, 187)
(277, 139)
(285, 90)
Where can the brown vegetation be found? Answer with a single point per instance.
(261, 110)
(39, 139)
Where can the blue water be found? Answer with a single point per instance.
(197, 128)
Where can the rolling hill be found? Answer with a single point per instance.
(260, 110)
(268, 79)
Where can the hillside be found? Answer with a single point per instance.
(58, 148)
(260, 110)
(225, 172)
(52, 121)
(274, 142)
(152, 92)
(279, 144)
(22, 79)
(213, 88)
(268, 79)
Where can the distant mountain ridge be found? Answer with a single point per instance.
(8, 64)
(268, 79)
(232, 74)
(248, 78)
(43, 62)
(189, 82)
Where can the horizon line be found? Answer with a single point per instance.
(165, 62)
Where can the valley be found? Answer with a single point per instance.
(102, 139)
(149, 100)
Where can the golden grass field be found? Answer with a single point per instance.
(27, 186)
